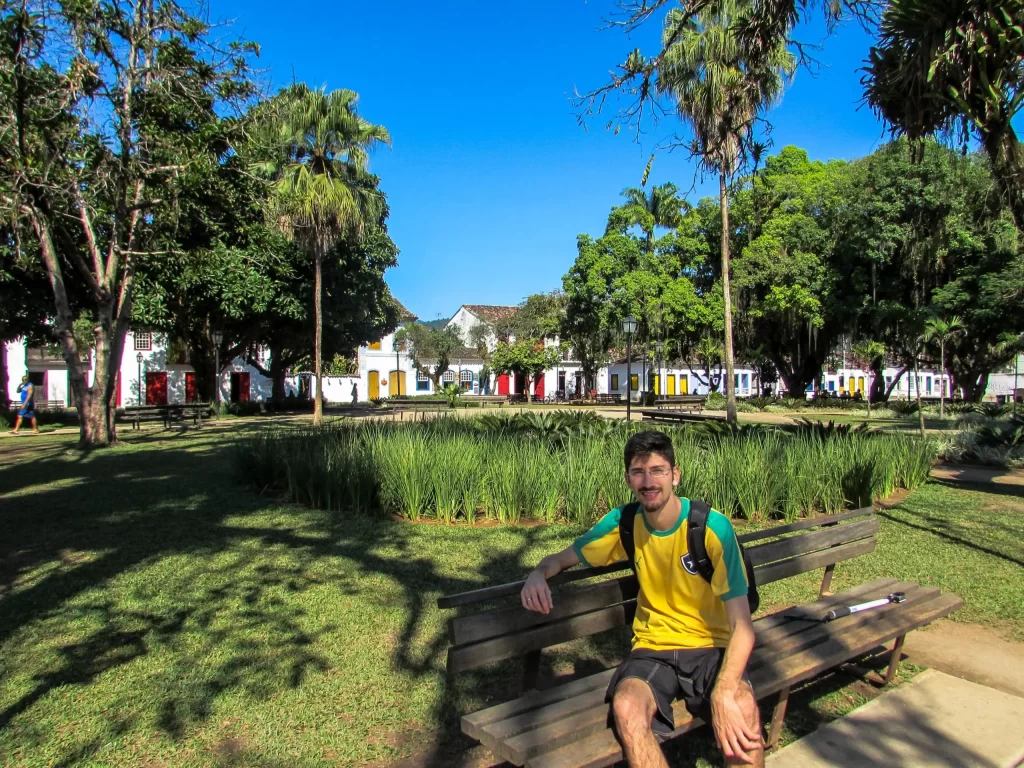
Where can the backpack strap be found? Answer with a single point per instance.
(627, 518)
(696, 529)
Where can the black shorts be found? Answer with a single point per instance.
(688, 674)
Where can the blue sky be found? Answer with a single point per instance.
(490, 178)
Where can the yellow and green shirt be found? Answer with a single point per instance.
(675, 608)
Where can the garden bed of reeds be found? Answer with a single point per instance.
(569, 468)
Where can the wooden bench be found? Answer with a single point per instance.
(137, 414)
(678, 416)
(567, 726)
(484, 400)
(43, 405)
(681, 402)
(396, 404)
(610, 398)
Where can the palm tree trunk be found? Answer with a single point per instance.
(730, 388)
(318, 407)
(917, 389)
(942, 373)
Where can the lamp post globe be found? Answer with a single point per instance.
(629, 326)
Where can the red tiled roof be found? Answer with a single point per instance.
(490, 312)
(404, 314)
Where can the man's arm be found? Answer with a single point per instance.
(536, 595)
(735, 732)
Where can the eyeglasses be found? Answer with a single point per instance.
(656, 472)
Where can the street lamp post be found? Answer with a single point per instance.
(138, 359)
(218, 339)
(629, 328)
(659, 347)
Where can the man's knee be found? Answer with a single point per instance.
(748, 704)
(633, 704)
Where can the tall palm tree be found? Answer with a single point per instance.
(720, 86)
(323, 191)
(873, 353)
(936, 329)
(661, 208)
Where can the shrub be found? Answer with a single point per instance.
(715, 401)
(509, 468)
(902, 408)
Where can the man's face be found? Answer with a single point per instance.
(652, 479)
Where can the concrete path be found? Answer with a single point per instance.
(934, 721)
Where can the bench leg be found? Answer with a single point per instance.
(775, 730)
(894, 660)
(531, 668)
(826, 581)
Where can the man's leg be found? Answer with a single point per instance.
(745, 698)
(35, 425)
(634, 708)
(17, 424)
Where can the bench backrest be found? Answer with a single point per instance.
(508, 630)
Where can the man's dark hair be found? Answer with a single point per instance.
(643, 444)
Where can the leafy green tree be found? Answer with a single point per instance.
(796, 292)
(944, 68)
(104, 108)
(323, 189)
(539, 316)
(943, 331)
(720, 86)
(431, 349)
(525, 357)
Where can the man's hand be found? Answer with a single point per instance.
(536, 594)
(734, 731)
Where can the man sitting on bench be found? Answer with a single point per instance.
(691, 639)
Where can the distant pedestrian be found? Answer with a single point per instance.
(355, 392)
(28, 405)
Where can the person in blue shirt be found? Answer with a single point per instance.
(28, 405)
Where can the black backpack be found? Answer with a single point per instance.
(697, 523)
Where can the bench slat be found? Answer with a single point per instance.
(766, 574)
(503, 590)
(568, 602)
(805, 543)
(498, 648)
(802, 525)
(473, 724)
(601, 749)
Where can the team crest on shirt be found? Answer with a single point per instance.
(689, 565)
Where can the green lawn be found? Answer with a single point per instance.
(154, 613)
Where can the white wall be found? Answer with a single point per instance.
(465, 320)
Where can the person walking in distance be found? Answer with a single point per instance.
(27, 391)
(692, 638)
(355, 392)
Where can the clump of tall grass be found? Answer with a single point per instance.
(509, 469)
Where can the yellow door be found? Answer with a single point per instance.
(374, 392)
(850, 385)
(657, 384)
(684, 384)
(670, 386)
(396, 384)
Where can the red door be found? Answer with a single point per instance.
(538, 387)
(240, 387)
(503, 384)
(191, 391)
(156, 387)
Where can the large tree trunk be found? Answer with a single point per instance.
(318, 407)
(730, 379)
(5, 401)
(971, 383)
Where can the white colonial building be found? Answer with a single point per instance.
(152, 372)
